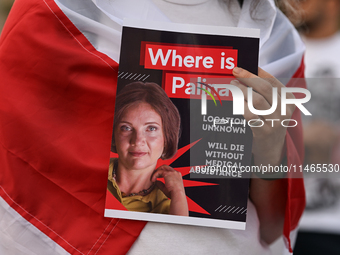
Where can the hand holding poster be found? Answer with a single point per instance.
(171, 77)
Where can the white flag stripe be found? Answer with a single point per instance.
(18, 236)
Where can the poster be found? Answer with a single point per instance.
(193, 66)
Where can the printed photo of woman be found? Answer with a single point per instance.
(146, 128)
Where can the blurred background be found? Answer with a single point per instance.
(318, 24)
(5, 7)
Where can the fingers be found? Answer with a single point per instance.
(262, 95)
(258, 101)
(266, 92)
(263, 84)
(162, 187)
(262, 100)
(173, 182)
(160, 172)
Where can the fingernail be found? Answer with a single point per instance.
(237, 70)
(234, 82)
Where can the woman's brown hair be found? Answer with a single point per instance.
(152, 94)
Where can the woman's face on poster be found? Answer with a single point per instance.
(139, 137)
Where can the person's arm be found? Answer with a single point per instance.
(268, 196)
